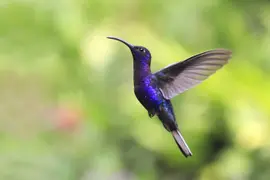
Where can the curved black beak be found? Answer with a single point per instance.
(118, 39)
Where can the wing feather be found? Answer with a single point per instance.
(181, 76)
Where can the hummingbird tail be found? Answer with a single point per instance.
(181, 143)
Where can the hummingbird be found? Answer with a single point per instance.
(155, 90)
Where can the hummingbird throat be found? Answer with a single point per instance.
(141, 70)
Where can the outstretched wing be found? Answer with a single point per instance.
(181, 76)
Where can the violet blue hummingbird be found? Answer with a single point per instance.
(154, 90)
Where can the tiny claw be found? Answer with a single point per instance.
(151, 114)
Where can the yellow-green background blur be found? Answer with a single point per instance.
(67, 107)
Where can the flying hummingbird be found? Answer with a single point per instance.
(154, 90)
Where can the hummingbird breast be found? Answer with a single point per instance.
(148, 93)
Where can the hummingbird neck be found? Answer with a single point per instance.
(141, 70)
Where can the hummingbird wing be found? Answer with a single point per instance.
(179, 77)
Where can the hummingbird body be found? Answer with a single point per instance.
(154, 90)
(150, 96)
(148, 93)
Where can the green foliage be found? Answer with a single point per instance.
(67, 107)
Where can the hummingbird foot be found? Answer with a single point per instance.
(151, 114)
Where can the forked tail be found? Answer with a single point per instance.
(181, 143)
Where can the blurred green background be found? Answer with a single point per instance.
(67, 107)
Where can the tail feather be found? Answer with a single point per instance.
(181, 143)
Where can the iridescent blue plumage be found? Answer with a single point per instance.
(154, 91)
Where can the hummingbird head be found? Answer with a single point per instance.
(139, 53)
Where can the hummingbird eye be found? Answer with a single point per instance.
(142, 50)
